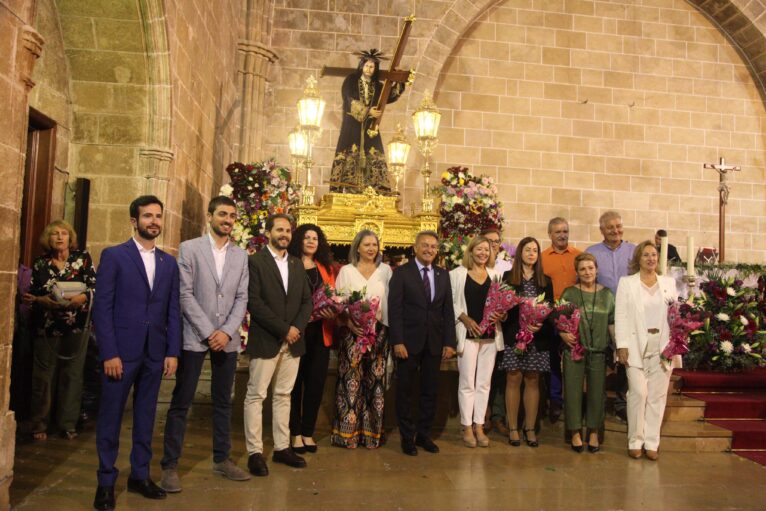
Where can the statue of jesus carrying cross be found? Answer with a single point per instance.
(359, 156)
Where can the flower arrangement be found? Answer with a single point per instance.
(532, 311)
(468, 205)
(259, 189)
(567, 319)
(684, 318)
(363, 312)
(731, 336)
(327, 298)
(500, 299)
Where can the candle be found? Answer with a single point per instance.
(663, 255)
(690, 256)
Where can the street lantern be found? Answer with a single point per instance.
(397, 152)
(426, 121)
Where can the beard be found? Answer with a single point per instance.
(279, 243)
(145, 234)
(217, 230)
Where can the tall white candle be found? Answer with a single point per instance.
(663, 255)
(690, 256)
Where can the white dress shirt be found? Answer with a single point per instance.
(281, 264)
(147, 256)
(219, 256)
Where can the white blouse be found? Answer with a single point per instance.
(349, 279)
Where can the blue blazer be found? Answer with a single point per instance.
(130, 318)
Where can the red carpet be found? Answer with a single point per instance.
(748, 434)
(722, 382)
(756, 456)
(732, 396)
(743, 405)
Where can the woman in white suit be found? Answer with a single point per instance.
(476, 350)
(642, 332)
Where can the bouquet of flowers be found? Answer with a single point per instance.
(532, 311)
(683, 318)
(326, 297)
(567, 319)
(363, 312)
(500, 299)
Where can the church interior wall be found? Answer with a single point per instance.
(573, 107)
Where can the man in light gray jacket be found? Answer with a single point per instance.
(214, 278)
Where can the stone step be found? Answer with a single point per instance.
(680, 408)
(682, 436)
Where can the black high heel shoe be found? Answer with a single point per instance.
(593, 449)
(531, 443)
(576, 448)
(514, 443)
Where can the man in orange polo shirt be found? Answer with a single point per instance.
(558, 264)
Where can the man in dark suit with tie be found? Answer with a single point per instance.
(136, 315)
(280, 304)
(422, 332)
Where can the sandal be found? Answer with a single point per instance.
(69, 435)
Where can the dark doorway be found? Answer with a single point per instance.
(38, 184)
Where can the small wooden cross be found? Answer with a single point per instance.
(723, 198)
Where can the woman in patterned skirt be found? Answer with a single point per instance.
(361, 376)
(527, 279)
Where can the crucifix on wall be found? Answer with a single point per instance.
(723, 170)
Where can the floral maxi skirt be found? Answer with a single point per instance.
(359, 394)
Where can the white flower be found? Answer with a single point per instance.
(730, 291)
(743, 320)
(727, 347)
(746, 348)
(226, 190)
(722, 316)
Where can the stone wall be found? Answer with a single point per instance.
(574, 106)
(20, 46)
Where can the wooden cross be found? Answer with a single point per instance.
(723, 198)
(390, 76)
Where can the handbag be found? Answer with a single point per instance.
(63, 291)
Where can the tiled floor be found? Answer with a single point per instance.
(60, 475)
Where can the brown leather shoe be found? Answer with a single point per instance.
(634, 453)
(500, 427)
(652, 455)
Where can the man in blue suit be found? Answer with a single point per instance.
(136, 315)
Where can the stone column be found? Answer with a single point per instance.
(16, 31)
(254, 59)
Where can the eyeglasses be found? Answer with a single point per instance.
(495, 242)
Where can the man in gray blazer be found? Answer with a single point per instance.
(214, 279)
(280, 306)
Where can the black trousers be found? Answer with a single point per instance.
(309, 384)
(406, 372)
(223, 366)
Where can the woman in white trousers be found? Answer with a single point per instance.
(642, 332)
(476, 350)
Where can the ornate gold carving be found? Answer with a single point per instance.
(342, 215)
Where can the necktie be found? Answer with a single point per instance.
(427, 284)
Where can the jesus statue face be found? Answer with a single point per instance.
(368, 69)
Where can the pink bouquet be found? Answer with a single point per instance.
(683, 319)
(568, 320)
(500, 299)
(326, 297)
(532, 311)
(363, 312)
